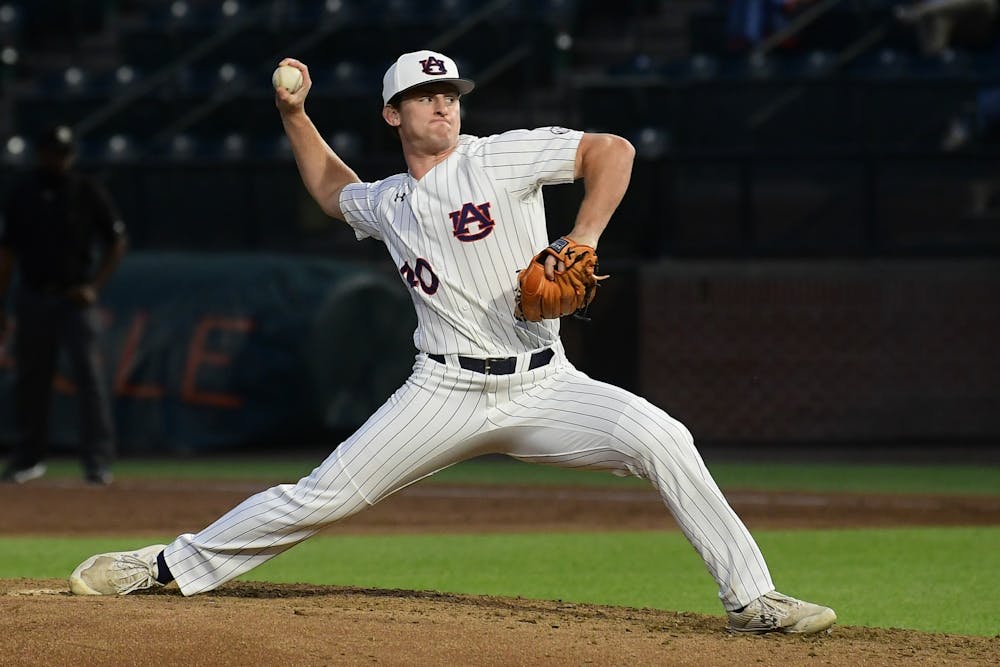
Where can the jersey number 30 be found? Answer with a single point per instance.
(423, 275)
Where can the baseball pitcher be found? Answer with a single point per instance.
(465, 228)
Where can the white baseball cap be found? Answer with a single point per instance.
(420, 67)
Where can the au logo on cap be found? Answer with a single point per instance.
(433, 66)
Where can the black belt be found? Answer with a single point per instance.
(498, 365)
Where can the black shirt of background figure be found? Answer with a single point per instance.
(52, 223)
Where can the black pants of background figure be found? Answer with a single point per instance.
(46, 324)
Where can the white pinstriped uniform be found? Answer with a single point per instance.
(443, 414)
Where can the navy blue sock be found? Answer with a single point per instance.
(162, 571)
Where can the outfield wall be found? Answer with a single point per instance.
(824, 351)
(220, 351)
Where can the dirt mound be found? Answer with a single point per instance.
(250, 623)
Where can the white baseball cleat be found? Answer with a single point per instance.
(22, 475)
(116, 573)
(776, 612)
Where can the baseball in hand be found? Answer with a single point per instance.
(287, 77)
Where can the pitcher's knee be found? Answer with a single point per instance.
(311, 506)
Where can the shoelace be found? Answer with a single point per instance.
(132, 580)
(774, 603)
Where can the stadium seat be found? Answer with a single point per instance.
(638, 65)
(180, 15)
(10, 22)
(651, 143)
(202, 80)
(10, 19)
(182, 147)
(557, 12)
(229, 74)
(699, 66)
(110, 82)
(343, 78)
(233, 146)
(16, 151)
(229, 10)
(947, 64)
(399, 11)
(10, 56)
(311, 13)
(346, 144)
(452, 10)
(64, 81)
(759, 66)
(274, 148)
(884, 63)
(812, 65)
(119, 148)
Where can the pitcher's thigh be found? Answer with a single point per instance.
(578, 422)
(415, 434)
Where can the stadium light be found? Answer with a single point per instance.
(9, 55)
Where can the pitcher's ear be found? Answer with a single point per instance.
(391, 115)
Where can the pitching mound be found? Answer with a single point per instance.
(246, 623)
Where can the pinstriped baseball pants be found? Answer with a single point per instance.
(444, 414)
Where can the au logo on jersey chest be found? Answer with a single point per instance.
(472, 222)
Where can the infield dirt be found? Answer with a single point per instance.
(270, 624)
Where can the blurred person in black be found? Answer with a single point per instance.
(55, 220)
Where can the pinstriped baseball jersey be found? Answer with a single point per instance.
(459, 235)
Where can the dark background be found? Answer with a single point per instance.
(807, 253)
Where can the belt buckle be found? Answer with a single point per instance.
(490, 360)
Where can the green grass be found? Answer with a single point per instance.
(935, 580)
(935, 479)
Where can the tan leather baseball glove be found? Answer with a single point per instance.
(574, 287)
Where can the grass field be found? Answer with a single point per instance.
(931, 579)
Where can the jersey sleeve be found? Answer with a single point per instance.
(525, 160)
(358, 204)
